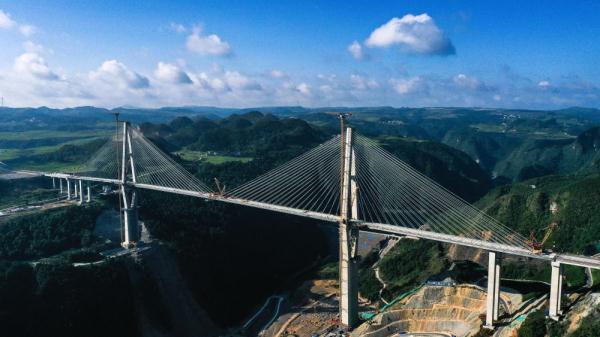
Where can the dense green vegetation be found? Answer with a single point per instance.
(24, 191)
(60, 300)
(447, 166)
(517, 156)
(65, 157)
(590, 326)
(409, 263)
(526, 208)
(534, 325)
(48, 232)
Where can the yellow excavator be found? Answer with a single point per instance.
(538, 246)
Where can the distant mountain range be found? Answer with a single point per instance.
(510, 144)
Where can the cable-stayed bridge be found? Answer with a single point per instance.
(349, 180)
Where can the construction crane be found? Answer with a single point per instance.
(538, 246)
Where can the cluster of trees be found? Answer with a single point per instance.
(68, 153)
(537, 325)
(48, 232)
(526, 208)
(60, 300)
(249, 133)
(449, 167)
(410, 263)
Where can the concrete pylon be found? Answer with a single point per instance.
(554, 310)
(348, 264)
(89, 193)
(493, 291)
(129, 196)
(131, 230)
(60, 183)
(68, 189)
(80, 192)
(53, 183)
(497, 287)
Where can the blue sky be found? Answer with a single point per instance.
(535, 54)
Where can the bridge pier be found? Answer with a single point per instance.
(80, 192)
(89, 193)
(53, 183)
(493, 290)
(68, 189)
(554, 310)
(348, 278)
(60, 183)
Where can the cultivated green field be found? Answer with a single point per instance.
(52, 134)
(190, 155)
(22, 150)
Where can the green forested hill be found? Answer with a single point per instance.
(449, 167)
(521, 157)
(250, 133)
(526, 207)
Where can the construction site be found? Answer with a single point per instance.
(440, 307)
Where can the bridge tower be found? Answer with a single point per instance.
(348, 259)
(130, 234)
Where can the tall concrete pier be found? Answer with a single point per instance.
(556, 280)
(493, 290)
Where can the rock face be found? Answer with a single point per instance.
(453, 310)
(580, 310)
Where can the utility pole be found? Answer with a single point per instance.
(348, 232)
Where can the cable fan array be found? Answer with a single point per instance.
(105, 162)
(154, 167)
(309, 182)
(391, 192)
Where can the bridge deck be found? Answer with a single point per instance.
(576, 260)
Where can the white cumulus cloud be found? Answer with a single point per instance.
(207, 45)
(114, 72)
(544, 84)
(361, 83)
(171, 73)
(415, 33)
(177, 27)
(469, 82)
(409, 85)
(236, 80)
(355, 49)
(6, 22)
(303, 88)
(277, 74)
(27, 30)
(33, 64)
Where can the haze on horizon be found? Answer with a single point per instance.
(240, 54)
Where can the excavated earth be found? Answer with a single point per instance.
(433, 309)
